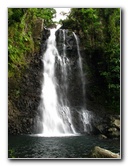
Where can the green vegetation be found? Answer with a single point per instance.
(99, 30)
(11, 153)
(20, 36)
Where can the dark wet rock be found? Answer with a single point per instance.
(45, 35)
(70, 43)
(66, 38)
(107, 125)
(24, 92)
(113, 132)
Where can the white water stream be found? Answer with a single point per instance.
(55, 107)
(56, 115)
(80, 66)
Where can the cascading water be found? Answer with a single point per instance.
(80, 67)
(85, 115)
(55, 105)
(56, 113)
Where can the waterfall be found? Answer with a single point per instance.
(85, 115)
(80, 67)
(56, 112)
(57, 116)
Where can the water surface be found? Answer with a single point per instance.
(26, 146)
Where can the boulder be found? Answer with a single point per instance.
(113, 132)
(116, 123)
(101, 136)
(98, 152)
(107, 125)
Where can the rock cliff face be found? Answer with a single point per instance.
(23, 104)
(26, 104)
(75, 90)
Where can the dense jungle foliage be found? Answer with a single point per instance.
(99, 30)
(20, 35)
